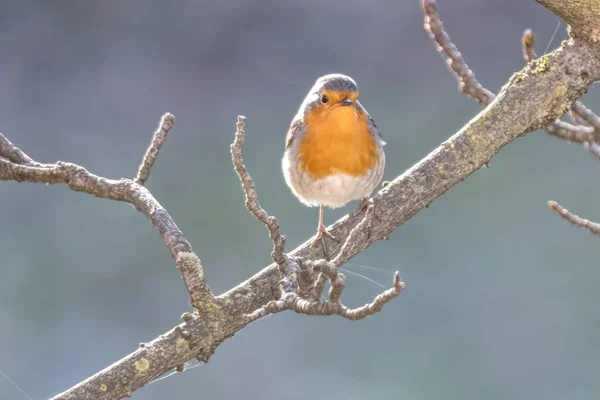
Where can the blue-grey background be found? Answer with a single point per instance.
(502, 295)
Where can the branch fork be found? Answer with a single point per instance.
(586, 125)
(585, 130)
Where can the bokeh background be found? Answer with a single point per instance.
(502, 295)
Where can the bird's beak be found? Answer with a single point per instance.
(346, 102)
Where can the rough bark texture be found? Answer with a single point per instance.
(532, 99)
(581, 15)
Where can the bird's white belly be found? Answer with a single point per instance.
(331, 191)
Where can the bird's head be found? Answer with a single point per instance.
(335, 90)
(331, 92)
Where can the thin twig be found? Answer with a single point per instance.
(252, 203)
(465, 76)
(318, 287)
(158, 139)
(591, 226)
(594, 148)
(576, 118)
(15, 154)
(378, 302)
(588, 116)
(571, 133)
(527, 45)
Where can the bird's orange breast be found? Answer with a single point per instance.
(337, 140)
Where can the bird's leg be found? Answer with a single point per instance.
(321, 232)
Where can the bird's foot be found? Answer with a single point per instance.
(320, 237)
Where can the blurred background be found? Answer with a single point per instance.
(502, 295)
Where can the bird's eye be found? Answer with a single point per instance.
(324, 98)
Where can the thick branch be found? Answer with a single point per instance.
(587, 124)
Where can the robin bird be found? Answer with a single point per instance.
(333, 149)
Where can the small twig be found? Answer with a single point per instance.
(465, 76)
(378, 302)
(594, 148)
(527, 45)
(158, 139)
(576, 118)
(15, 154)
(593, 227)
(571, 133)
(252, 203)
(318, 287)
(336, 289)
(589, 117)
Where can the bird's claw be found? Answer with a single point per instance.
(320, 237)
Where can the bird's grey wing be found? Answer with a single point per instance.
(297, 128)
(371, 123)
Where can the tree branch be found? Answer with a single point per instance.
(593, 227)
(587, 124)
(252, 203)
(532, 99)
(324, 270)
(586, 131)
(581, 15)
(15, 154)
(21, 168)
(158, 139)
